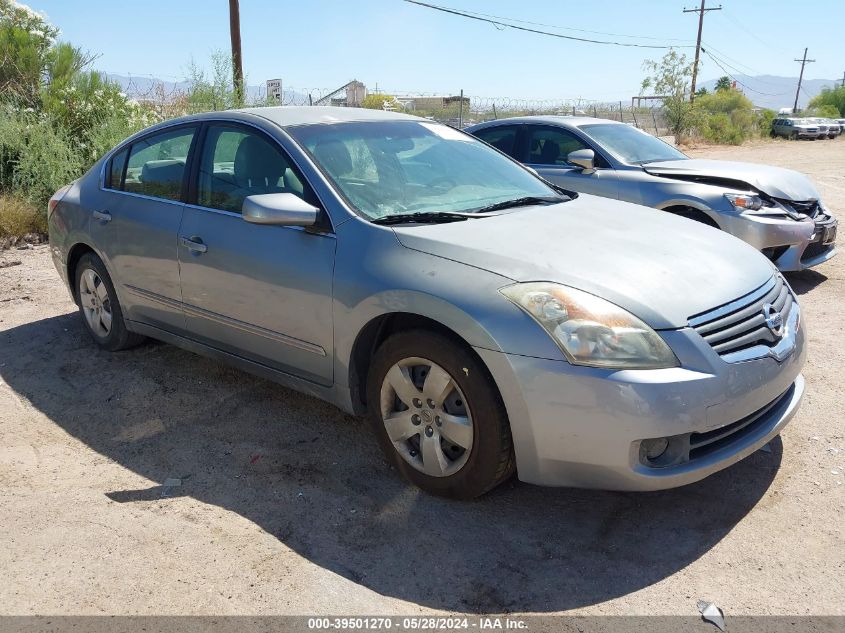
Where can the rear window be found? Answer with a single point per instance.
(156, 165)
(114, 175)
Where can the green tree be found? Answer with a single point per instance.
(376, 101)
(830, 97)
(213, 92)
(670, 77)
(26, 39)
(723, 83)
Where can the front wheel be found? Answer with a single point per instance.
(438, 415)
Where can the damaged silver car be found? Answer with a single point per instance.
(778, 211)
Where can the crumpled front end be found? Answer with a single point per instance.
(800, 235)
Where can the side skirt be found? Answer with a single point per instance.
(293, 382)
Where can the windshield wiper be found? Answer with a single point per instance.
(520, 202)
(424, 217)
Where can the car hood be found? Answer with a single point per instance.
(658, 266)
(774, 181)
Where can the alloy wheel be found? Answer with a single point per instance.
(95, 302)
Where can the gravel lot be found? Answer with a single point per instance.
(286, 506)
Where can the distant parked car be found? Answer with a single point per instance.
(485, 321)
(827, 127)
(778, 211)
(794, 128)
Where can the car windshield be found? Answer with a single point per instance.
(385, 168)
(630, 145)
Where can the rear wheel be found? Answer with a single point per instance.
(99, 306)
(438, 415)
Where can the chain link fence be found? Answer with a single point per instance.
(167, 100)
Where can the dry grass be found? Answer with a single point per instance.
(19, 219)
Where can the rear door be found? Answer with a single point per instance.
(258, 291)
(138, 224)
(547, 148)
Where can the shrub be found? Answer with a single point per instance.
(726, 116)
(35, 158)
(834, 97)
(376, 101)
(827, 111)
(764, 121)
(19, 217)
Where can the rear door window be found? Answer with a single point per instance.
(157, 163)
(114, 174)
(502, 137)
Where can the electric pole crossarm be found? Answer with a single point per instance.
(700, 11)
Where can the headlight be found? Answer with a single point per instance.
(591, 331)
(745, 202)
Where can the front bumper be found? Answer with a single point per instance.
(583, 427)
(793, 244)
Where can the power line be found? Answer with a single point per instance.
(500, 24)
(744, 85)
(733, 21)
(572, 28)
(735, 61)
(701, 11)
(721, 56)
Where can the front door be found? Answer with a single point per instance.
(547, 150)
(258, 291)
(137, 225)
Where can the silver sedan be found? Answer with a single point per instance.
(484, 321)
(777, 211)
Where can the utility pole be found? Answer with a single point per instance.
(237, 61)
(843, 79)
(701, 11)
(804, 61)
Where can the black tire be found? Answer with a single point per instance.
(491, 459)
(117, 337)
(794, 136)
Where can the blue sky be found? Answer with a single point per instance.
(322, 44)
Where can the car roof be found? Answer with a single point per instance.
(551, 119)
(286, 116)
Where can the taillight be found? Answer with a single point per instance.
(57, 197)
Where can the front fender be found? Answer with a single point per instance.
(375, 275)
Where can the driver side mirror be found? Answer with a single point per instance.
(280, 209)
(583, 158)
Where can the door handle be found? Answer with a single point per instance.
(102, 216)
(193, 244)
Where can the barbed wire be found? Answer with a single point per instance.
(171, 99)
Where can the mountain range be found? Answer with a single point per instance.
(775, 92)
(766, 91)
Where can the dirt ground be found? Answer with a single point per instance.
(287, 507)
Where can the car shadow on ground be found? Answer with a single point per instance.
(804, 281)
(313, 477)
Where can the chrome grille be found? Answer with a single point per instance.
(741, 324)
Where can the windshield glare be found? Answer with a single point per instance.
(390, 167)
(631, 145)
